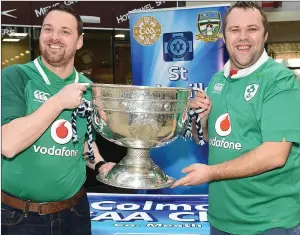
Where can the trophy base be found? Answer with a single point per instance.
(103, 179)
(136, 171)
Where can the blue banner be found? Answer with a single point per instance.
(179, 47)
(148, 214)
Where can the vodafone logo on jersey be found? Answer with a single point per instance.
(61, 131)
(223, 125)
(223, 128)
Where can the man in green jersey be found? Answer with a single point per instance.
(253, 131)
(43, 170)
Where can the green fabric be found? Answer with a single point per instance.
(252, 205)
(47, 170)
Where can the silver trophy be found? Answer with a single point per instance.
(139, 118)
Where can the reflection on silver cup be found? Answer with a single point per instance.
(140, 118)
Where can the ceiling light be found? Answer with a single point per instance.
(91, 19)
(18, 34)
(119, 36)
(3, 62)
(7, 61)
(21, 54)
(11, 40)
(12, 59)
(27, 52)
(17, 57)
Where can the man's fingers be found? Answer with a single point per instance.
(188, 169)
(82, 87)
(180, 182)
(201, 95)
(199, 92)
(196, 104)
(204, 114)
(107, 167)
(203, 100)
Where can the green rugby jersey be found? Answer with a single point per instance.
(53, 167)
(262, 105)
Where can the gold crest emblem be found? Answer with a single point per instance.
(147, 30)
(209, 26)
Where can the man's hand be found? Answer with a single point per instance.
(70, 96)
(202, 103)
(105, 168)
(197, 174)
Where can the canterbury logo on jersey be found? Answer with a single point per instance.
(41, 96)
(218, 87)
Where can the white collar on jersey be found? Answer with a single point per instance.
(244, 72)
(44, 76)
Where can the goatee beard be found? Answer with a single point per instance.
(58, 60)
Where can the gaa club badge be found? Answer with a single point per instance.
(147, 30)
(178, 46)
(209, 26)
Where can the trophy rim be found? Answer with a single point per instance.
(139, 87)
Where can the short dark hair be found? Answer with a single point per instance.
(247, 5)
(70, 10)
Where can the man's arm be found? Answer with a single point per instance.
(20, 133)
(106, 167)
(97, 155)
(274, 150)
(266, 157)
(205, 134)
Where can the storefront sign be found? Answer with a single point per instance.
(95, 14)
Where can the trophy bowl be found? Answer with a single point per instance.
(139, 118)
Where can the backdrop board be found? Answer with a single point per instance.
(178, 47)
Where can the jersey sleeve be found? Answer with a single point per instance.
(281, 110)
(13, 94)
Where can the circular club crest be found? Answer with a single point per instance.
(223, 125)
(61, 131)
(178, 47)
(147, 30)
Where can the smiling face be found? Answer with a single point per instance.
(59, 39)
(245, 37)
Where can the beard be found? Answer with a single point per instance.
(58, 58)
